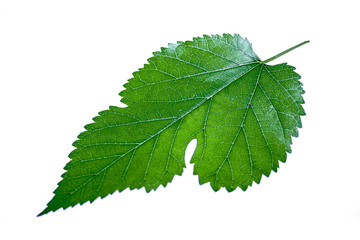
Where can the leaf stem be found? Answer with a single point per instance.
(284, 52)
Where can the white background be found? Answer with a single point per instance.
(61, 62)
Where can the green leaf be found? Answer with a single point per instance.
(215, 89)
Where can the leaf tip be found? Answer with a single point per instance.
(43, 213)
(48, 210)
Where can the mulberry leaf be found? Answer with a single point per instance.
(242, 111)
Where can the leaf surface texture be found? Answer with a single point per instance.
(242, 112)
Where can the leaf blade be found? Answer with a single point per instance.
(173, 100)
